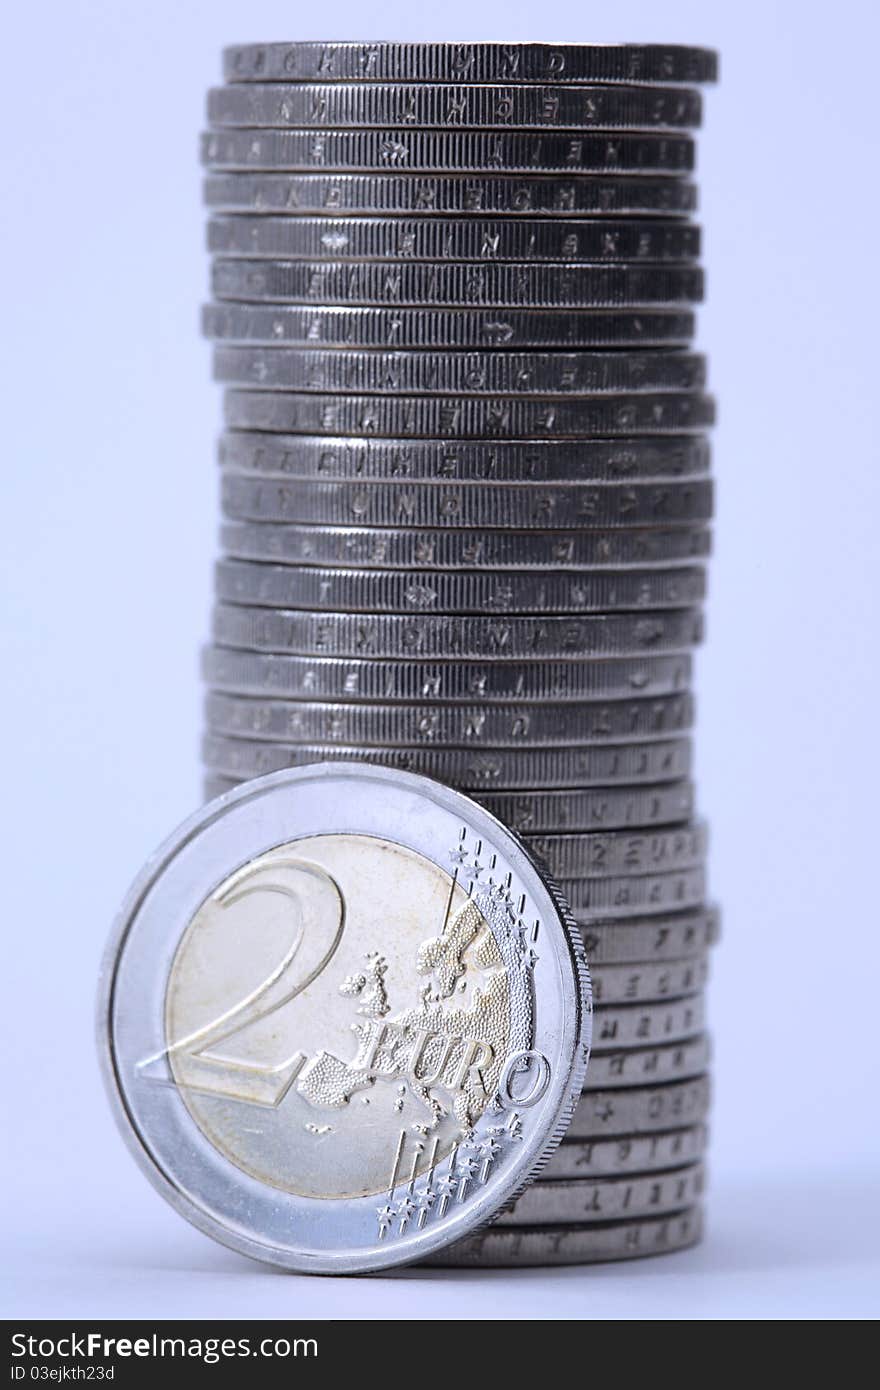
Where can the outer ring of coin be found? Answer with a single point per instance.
(458, 195)
(429, 151)
(345, 1234)
(548, 812)
(602, 240)
(378, 326)
(480, 106)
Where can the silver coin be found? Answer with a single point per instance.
(473, 770)
(567, 1200)
(675, 937)
(649, 981)
(658, 460)
(443, 151)
(648, 1066)
(467, 62)
(391, 591)
(572, 855)
(442, 682)
(441, 238)
(477, 373)
(633, 895)
(476, 506)
(400, 103)
(458, 195)
(419, 283)
(420, 549)
(501, 637)
(650, 1109)
(541, 812)
(647, 1025)
(510, 1247)
(639, 806)
(632, 1154)
(223, 1069)
(317, 325)
(609, 806)
(451, 726)
(455, 417)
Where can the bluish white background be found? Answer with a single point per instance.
(109, 521)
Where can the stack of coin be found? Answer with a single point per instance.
(466, 498)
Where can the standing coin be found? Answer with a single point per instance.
(424, 238)
(609, 806)
(242, 1092)
(525, 107)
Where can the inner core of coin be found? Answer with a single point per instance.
(337, 991)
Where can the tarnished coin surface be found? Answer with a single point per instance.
(509, 196)
(399, 147)
(403, 104)
(432, 683)
(428, 547)
(571, 1243)
(648, 459)
(501, 637)
(648, 1110)
(473, 373)
(420, 326)
(392, 591)
(494, 286)
(448, 239)
(568, 1200)
(589, 1158)
(450, 726)
(344, 1018)
(313, 61)
(509, 770)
